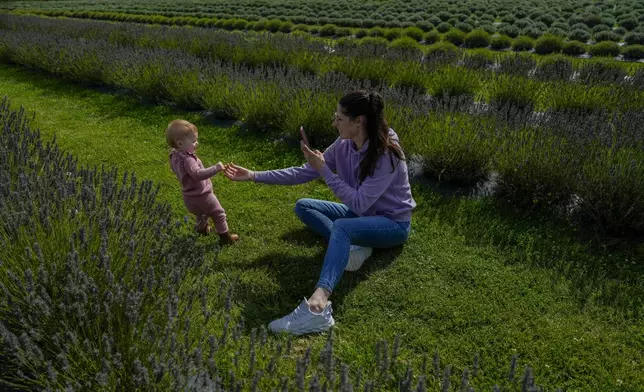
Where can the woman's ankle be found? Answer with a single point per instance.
(319, 300)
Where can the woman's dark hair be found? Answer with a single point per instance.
(371, 105)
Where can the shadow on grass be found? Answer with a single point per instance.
(610, 276)
(296, 278)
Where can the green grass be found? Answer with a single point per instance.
(473, 278)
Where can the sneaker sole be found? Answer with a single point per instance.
(306, 330)
(322, 328)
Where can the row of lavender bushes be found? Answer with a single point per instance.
(588, 160)
(102, 289)
(503, 37)
(403, 64)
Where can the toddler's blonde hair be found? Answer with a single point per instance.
(177, 130)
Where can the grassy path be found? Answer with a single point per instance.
(471, 279)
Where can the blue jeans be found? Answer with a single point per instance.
(342, 228)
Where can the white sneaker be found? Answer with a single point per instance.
(357, 256)
(302, 321)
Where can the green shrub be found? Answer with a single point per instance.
(286, 27)
(534, 177)
(465, 27)
(633, 52)
(560, 25)
(606, 36)
(508, 18)
(359, 33)
(629, 24)
(342, 32)
(601, 72)
(328, 30)
(634, 39)
(547, 19)
(273, 25)
(488, 28)
(509, 30)
(260, 25)
(548, 44)
(478, 60)
(453, 82)
(501, 42)
(344, 41)
(373, 41)
(228, 24)
(611, 192)
(455, 36)
(556, 31)
(240, 24)
(393, 24)
(442, 49)
(425, 26)
(444, 15)
(443, 27)
(579, 35)
(619, 31)
(604, 49)
(554, 68)
(301, 27)
(435, 20)
(576, 19)
(376, 32)
(369, 23)
(523, 23)
(514, 91)
(533, 32)
(432, 37)
(600, 27)
(414, 32)
(300, 34)
(392, 34)
(592, 20)
(580, 26)
(477, 39)
(405, 43)
(574, 48)
(519, 64)
(522, 44)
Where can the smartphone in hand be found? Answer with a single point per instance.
(303, 135)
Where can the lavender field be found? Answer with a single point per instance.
(524, 273)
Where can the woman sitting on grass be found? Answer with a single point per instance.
(370, 180)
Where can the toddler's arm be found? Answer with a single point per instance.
(197, 173)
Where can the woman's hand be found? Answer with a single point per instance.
(315, 157)
(238, 173)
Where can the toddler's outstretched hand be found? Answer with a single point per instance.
(220, 167)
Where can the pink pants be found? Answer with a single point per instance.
(207, 206)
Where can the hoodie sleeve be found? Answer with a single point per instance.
(196, 173)
(297, 174)
(368, 192)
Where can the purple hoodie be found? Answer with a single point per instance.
(385, 193)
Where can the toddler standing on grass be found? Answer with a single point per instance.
(195, 180)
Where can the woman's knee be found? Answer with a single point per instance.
(341, 226)
(302, 205)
